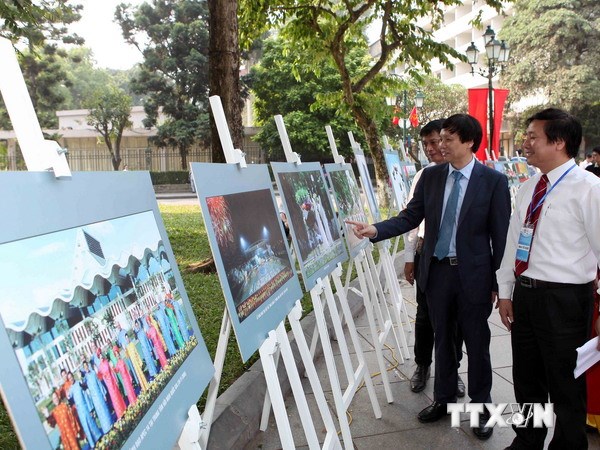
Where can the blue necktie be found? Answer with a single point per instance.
(445, 235)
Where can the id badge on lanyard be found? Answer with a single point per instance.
(524, 244)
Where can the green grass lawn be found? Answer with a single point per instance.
(187, 235)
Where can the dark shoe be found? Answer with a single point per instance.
(460, 387)
(419, 378)
(433, 412)
(482, 432)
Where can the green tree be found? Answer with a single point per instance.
(302, 97)
(441, 101)
(320, 32)
(47, 82)
(555, 55)
(40, 26)
(109, 115)
(174, 72)
(36, 23)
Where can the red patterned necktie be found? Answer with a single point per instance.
(532, 219)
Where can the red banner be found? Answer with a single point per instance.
(499, 100)
(478, 109)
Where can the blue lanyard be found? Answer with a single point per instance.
(548, 191)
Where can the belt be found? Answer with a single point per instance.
(451, 260)
(540, 284)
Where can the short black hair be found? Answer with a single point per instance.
(560, 125)
(467, 127)
(595, 150)
(435, 126)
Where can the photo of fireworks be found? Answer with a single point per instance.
(248, 233)
(312, 220)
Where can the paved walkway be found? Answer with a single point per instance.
(398, 427)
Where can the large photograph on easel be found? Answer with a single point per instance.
(250, 249)
(367, 185)
(315, 231)
(397, 176)
(349, 205)
(98, 323)
(103, 323)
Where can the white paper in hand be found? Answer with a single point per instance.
(587, 356)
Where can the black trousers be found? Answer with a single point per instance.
(449, 309)
(549, 324)
(424, 330)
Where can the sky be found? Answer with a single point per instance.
(104, 36)
(34, 270)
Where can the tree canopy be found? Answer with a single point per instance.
(555, 55)
(320, 32)
(174, 72)
(304, 99)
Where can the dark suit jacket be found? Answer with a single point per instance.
(481, 232)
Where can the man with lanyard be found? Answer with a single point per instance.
(413, 246)
(552, 251)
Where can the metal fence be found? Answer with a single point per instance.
(144, 158)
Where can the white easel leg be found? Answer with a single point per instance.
(267, 350)
(362, 372)
(336, 390)
(378, 338)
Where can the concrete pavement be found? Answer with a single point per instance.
(398, 427)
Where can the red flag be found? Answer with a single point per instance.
(395, 121)
(413, 118)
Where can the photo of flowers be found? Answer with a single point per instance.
(348, 201)
(313, 224)
(98, 326)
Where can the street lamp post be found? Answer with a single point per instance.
(497, 55)
(419, 99)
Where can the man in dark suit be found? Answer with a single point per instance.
(466, 208)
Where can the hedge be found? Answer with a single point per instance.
(175, 177)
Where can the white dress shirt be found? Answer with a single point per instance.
(566, 243)
(464, 182)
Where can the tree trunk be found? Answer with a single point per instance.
(224, 72)
(183, 152)
(369, 128)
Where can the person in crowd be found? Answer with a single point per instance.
(62, 417)
(120, 368)
(413, 246)
(165, 328)
(97, 394)
(585, 162)
(594, 166)
(106, 374)
(170, 311)
(181, 317)
(466, 207)
(157, 344)
(146, 348)
(546, 278)
(84, 407)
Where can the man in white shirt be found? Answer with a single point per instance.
(413, 245)
(550, 260)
